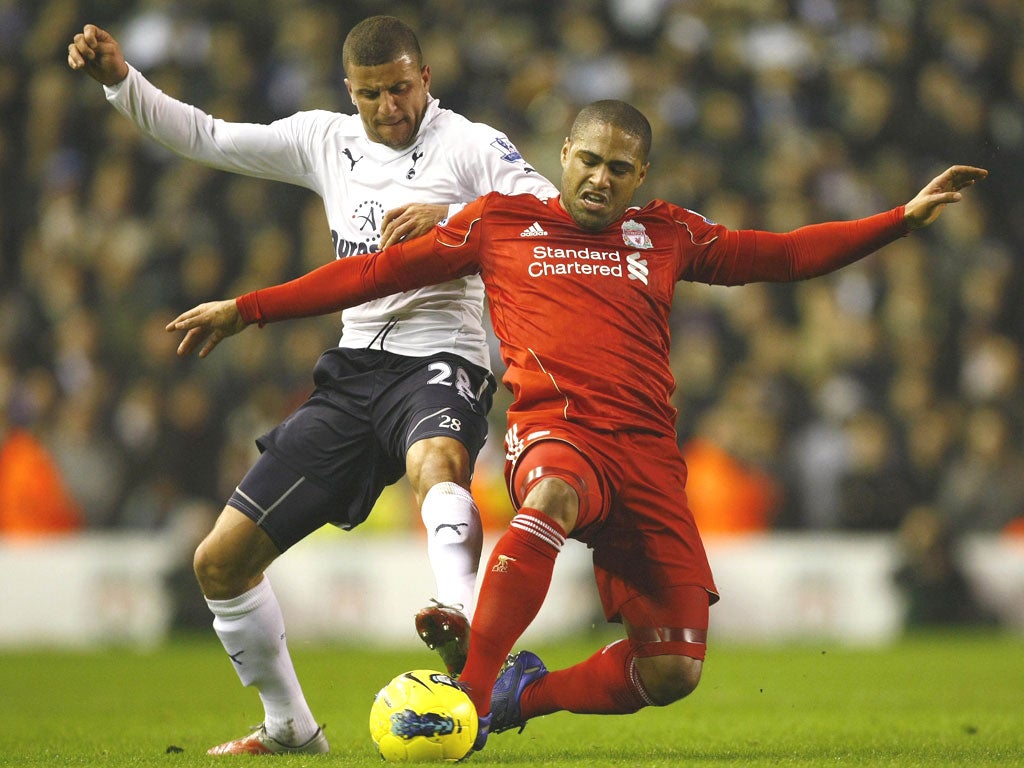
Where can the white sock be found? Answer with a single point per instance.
(454, 541)
(251, 628)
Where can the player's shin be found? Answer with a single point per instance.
(251, 628)
(605, 684)
(515, 583)
(454, 543)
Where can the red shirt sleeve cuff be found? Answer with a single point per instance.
(249, 308)
(901, 212)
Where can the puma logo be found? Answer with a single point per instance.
(454, 526)
(353, 160)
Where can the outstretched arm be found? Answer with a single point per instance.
(940, 191)
(335, 286)
(97, 52)
(275, 151)
(342, 283)
(746, 256)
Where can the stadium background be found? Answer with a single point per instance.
(884, 401)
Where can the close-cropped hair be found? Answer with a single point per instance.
(623, 116)
(380, 40)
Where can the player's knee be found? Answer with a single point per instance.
(232, 558)
(220, 576)
(557, 499)
(437, 460)
(669, 678)
(207, 570)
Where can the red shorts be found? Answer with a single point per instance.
(633, 515)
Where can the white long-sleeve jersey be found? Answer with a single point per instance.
(452, 161)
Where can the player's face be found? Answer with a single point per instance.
(391, 99)
(601, 169)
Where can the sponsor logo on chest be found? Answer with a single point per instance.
(549, 260)
(365, 219)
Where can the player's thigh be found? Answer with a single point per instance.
(671, 620)
(442, 396)
(288, 503)
(323, 464)
(334, 426)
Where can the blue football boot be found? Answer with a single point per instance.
(520, 670)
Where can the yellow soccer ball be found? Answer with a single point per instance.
(423, 716)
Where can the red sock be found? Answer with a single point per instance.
(604, 684)
(515, 584)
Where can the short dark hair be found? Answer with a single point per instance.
(623, 116)
(380, 40)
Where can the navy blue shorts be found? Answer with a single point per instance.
(331, 458)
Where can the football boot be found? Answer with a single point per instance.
(259, 742)
(445, 629)
(520, 670)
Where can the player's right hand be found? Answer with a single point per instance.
(409, 221)
(940, 192)
(211, 323)
(97, 52)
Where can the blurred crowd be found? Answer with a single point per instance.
(842, 403)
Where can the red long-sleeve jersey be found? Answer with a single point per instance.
(582, 317)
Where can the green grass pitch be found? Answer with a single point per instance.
(928, 700)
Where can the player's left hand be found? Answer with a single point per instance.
(940, 191)
(211, 323)
(95, 51)
(408, 221)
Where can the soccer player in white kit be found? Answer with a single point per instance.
(408, 388)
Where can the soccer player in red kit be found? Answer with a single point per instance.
(580, 289)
